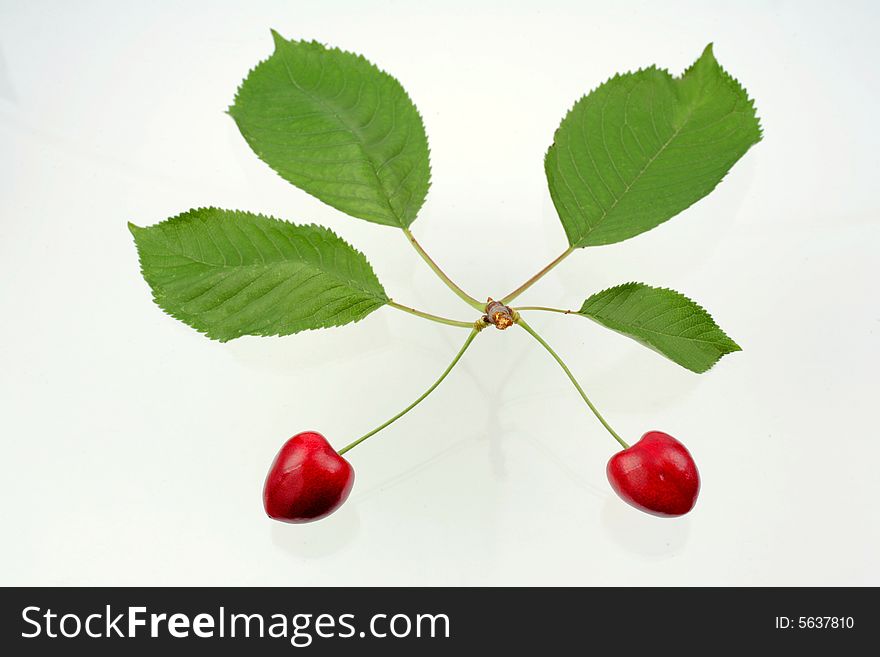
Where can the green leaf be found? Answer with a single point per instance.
(644, 146)
(664, 320)
(336, 126)
(228, 273)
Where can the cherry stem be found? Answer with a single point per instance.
(534, 279)
(567, 371)
(433, 318)
(464, 296)
(476, 328)
(546, 309)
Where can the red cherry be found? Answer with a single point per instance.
(308, 480)
(656, 475)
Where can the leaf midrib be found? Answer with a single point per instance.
(606, 212)
(617, 327)
(269, 265)
(355, 129)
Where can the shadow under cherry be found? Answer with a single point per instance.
(319, 539)
(642, 534)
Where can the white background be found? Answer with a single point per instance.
(134, 449)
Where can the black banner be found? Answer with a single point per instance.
(433, 621)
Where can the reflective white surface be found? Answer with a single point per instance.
(134, 449)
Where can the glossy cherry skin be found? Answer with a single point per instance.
(308, 480)
(657, 475)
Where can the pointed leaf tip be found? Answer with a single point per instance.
(706, 58)
(277, 38)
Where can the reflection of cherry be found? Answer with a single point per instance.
(308, 480)
(656, 475)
